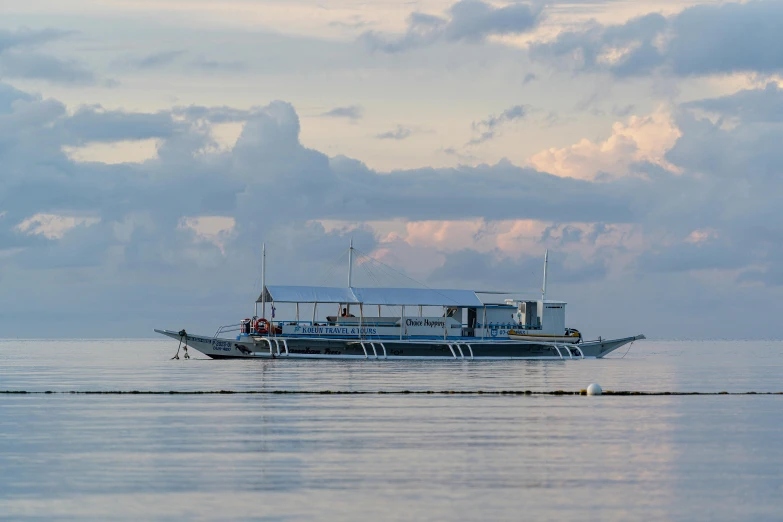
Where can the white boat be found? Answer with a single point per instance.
(469, 325)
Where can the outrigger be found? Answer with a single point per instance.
(467, 327)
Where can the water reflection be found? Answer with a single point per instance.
(401, 457)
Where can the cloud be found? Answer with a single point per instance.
(750, 105)
(18, 60)
(713, 253)
(353, 22)
(463, 157)
(705, 39)
(267, 159)
(399, 133)
(28, 37)
(53, 226)
(94, 124)
(351, 112)
(181, 59)
(490, 271)
(222, 114)
(488, 128)
(171, 234)
(10, 95)
(475, 20)
(216, 66)
(727, 38)
(771, 276)
(217, 230)
(35, 66)
(467, 20)
(643, 139)
(156, 60)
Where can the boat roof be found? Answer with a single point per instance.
(370, 296)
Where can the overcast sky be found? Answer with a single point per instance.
(149, 147)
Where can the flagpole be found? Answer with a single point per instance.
(263, 280)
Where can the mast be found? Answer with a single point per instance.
(350, 264)
(350, 273)
(263, 280)
(543, 288)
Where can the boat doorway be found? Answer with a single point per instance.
(470, 331)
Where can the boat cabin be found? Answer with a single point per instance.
(407, 313)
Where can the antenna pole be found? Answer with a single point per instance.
(350, 264)
(263, 280)
(543, 288)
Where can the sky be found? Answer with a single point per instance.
(149, 147)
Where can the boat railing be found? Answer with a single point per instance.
(370, 322)
(364, 323)
(334, 323)
(228, 328)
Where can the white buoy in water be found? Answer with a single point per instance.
(594, 389)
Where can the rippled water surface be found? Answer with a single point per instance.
(389, 457)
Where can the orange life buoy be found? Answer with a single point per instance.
(261, 326)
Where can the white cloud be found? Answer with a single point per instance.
(53, 226)
(640, 139)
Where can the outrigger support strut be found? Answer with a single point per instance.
(271, 348)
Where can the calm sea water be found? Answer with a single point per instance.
(389, 457)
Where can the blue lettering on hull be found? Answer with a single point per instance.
(333, 330)
(217, 344)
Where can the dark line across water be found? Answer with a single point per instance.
(381, 392)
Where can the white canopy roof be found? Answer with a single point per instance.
(417, 296)
(372, 296)
(309, 294)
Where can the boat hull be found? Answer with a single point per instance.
(463, 349)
